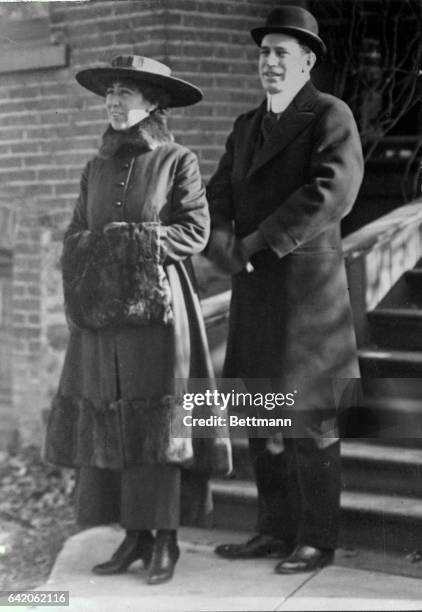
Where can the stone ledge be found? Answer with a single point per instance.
(382, 230)
(377, 255)
(33, 58)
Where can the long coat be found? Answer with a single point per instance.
(291, 319)
(119, 400)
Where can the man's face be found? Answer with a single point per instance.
(283, 62)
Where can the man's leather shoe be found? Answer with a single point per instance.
(164, 557)
(259, 546)
(136, 545)
(305, 559)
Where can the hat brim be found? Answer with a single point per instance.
(314, 42)
(181, 92)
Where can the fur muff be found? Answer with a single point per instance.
(115, 277)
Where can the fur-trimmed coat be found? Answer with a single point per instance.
(117, 404)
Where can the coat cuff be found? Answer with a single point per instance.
(279, 240)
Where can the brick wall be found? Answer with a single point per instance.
(209, 43)
(50, 127)
(7, 420)
(7, 240)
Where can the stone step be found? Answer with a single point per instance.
(375, 468)
(396, 328)
(390, 363)
(373, 520)
(383, 416)
(366, 466)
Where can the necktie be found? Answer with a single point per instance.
(268, 124)
(269, 121)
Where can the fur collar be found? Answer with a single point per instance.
(148, 134)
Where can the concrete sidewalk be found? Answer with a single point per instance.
(204, 582)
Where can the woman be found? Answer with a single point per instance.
(136, 331)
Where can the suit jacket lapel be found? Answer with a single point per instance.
(292, 122)
(250, 135)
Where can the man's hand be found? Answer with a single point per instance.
(252, 243)
(226, 251)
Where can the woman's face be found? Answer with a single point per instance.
(126, 105)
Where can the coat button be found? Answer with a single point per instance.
(125, 166)
(121, 183)
(118, 203)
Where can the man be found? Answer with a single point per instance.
(291, 170)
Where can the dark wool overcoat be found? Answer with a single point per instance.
(291, 319)
(119, 399)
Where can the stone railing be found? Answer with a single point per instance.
(377, 255)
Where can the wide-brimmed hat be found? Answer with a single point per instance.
(140, 70)
(297, 22)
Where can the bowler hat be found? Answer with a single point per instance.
(140, 70)
(293, 20)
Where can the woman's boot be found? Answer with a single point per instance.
(164, 557)
(136, 545)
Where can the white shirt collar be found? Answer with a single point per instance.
(277, 103)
